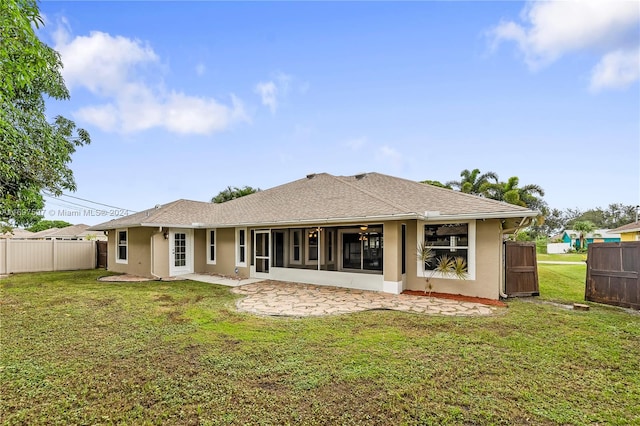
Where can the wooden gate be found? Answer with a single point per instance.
(521, 269)
(613, 274)
(101, 254)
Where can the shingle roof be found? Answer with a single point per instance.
(323, 198)
(630, 227)
(72, 231)
(17, 233)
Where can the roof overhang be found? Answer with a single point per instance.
(427, 216)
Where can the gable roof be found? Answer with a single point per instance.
(630, 227)
(324, 198)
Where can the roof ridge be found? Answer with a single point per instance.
(364, 191)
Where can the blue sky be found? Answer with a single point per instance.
(185, 98)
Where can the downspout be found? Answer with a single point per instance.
(526, 221)
(153, 253)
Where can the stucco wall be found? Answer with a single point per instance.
(488, 263)
(225, 253)
(138, 252)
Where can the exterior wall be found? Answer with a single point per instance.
(225, 253)
(360, 281)
(138, 252)
(46, 255)
(160, 255)
(630, 236)
(392, 257)
(488, 263)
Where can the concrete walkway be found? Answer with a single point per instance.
(300, 300)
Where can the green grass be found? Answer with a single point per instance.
(567, 257)
(562, 283)
(78, 351)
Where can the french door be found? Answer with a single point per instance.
(181, 252)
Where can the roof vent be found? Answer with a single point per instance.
(311, 176)
(158, 206)
(360, 176)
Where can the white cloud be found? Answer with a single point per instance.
(551, 29)
(120, 71)
(272, 91)
(616, 70)
(268, 91)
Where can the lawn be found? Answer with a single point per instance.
(78, 351)
(563, 257)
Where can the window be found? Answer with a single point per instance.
(296, 246)
(312, 245)
(122, 246)
(404, 248)
(362, 250)
(211, 246)
(330, 246)
(451, 239)
(241, 243)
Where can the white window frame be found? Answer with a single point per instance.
(292, 261)
(238, 246)
(471, 250)
(124, 261)
(212, 245)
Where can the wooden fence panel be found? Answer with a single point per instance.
(613, 274)
(521, 269)
(46, 255)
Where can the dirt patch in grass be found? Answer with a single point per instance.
(458, 297)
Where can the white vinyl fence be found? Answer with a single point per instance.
(46, 255)
(554, 248)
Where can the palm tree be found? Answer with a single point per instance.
(509, 192)
(584, 227)
(472, 181)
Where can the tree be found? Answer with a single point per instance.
(584, 227)
(48, 224)
(472, 181)
(510, 192)
(34, 153)
(230, 193)
(436, 183)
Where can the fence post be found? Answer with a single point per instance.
(8, 257)
(54, 251)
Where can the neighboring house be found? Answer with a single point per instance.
(17, 234)
(350, 231)
(629, 232)
(572, 237)
(73, 232)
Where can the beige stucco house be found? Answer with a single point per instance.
(357, 231)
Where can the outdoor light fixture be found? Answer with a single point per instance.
(166, 235)
(364, 227)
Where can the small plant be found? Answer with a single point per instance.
(448, 266)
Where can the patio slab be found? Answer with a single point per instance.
(300, 300)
